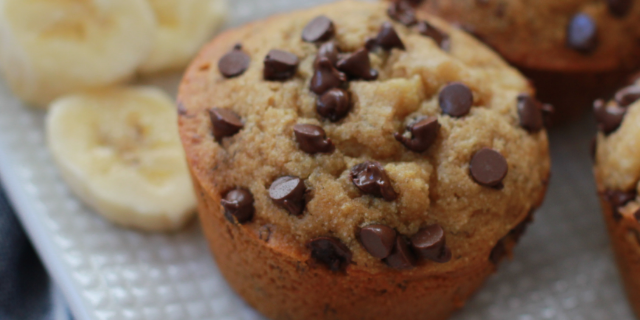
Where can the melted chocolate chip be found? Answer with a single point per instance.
(488, 167)
(456, 99)
(319, 29)
(619, 8)
(288, 192)
(334, 104)
(582, 33)
(401, 257)
(234, 63)
(238, 204)
(371, 178)
(312, 139)
(424, 132)
(330, 51)
(326, 77)
(610, 117)
(357, 65)
(280, 65)
(225, 123)
(430, 244)
(402, 12)
(330, 252)
(388, 38)
(441, 38)
(627, 96)
(530, 113)
(378, 239)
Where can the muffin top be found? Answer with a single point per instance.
(617, 153)
(359, 134)
(556, 35)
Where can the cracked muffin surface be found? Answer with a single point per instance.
(270, 93)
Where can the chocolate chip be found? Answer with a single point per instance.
(518, 231)
(326, 77)
(430, 244)
(225, 123)
(358, 66)
(530, 113)
(388, 38)
(401, 257)
(441, 38)
(330, 51)
(619, 8)
(609, 118)
(288, 192)
(319, 29)
(627, 96)
(312, 139)
(498, 252)
(582, 33)
(371, 178)
(488, 167)
(238, 204)
(371, 44)
(424, 132)
(619, 199)
(330, 252)
(402, 12)
(234, 63)
(637, 215)
(280, 65)
(456, 99)
(334, 104)
(378, 239)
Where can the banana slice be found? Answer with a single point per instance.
(183, 27)
(119, 151)
(49, 48)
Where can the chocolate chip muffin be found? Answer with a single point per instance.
(617, 170)
(349, 166)
(574, 51)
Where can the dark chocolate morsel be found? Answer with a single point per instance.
(582, 33)
(402, 12)
(608, 117)
(627, 96)
(280, 65)
(430, 244)
(238, 204)
(357, 65)
(488, 167)
(312, 139)
(288, 192)
(456, 99)
(378, 239)
(530, 113)
(424, 132)
(371, 178)
(234, 63)
(319, 29)
(401, 257)
(388, 38)
(330, 252)
(225, 123)
(330, 51)
(326, 77)
(334, 104)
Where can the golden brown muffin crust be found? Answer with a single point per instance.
(433, 187)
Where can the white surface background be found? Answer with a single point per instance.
(563, 267)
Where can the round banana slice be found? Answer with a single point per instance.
(119, 151)
(183, 27)
(49, 48)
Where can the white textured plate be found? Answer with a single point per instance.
(562, 269)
